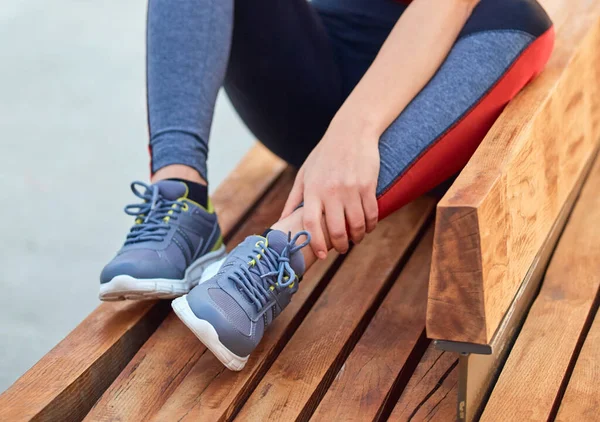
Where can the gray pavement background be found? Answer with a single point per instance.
(73, 136)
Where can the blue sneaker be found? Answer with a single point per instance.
(172, 242)
(230, 312)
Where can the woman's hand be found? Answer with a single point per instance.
(338, 184)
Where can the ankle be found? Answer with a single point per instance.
(197, 188)
(293, 223)
(178, 171)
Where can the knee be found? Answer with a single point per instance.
(526, 16)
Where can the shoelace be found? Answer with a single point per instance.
(266, 264)
(151, 215)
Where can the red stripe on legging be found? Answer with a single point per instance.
(452, 150)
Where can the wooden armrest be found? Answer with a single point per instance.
(495, 218)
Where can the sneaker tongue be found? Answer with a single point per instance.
(278, 240)
(171, 189)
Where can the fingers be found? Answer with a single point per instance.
(355, 218)
(295, 197)
(334, 213)
(313, 213)
(335, 219)
(371, 209)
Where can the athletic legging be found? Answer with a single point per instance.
(287, 67)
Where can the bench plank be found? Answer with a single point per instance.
(68, 380)
(445, 409)
(582, 398)
(300, 376)
(172, 351)
(388, 351)
(562, 11)
(432, 389)
(497, 214)
(540, 360)
(152, 374)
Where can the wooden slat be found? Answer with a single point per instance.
(68, 380)
(539, 361)
(582, 398)
(210, 392)
(154, 372)
(431, 392)
(172, 351)
(390, 348)
(494, 219)
(566, 12)
(299, 377)
(445, 409)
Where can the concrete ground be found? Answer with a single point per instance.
(73, 127)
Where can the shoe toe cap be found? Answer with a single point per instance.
(140, 264)
(236, 330)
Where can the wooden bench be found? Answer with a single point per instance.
(353, 343)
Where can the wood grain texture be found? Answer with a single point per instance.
(532, 378)
(431, 392)
(445, 410)
(66, 382)
(172, 351)
(299, 377)
(152, 374)
(581, 401)
(492, 222)
(359, 392)
(478, 372)
(574, 13)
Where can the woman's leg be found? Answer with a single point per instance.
(188, 44)
(502, 47)
(276, 61)
(283, 77)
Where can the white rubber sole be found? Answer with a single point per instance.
(125, 287)
(207, 334)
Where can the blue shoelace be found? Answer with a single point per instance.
(271, 269)
(151, 222)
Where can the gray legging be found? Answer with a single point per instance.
(289, 65)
